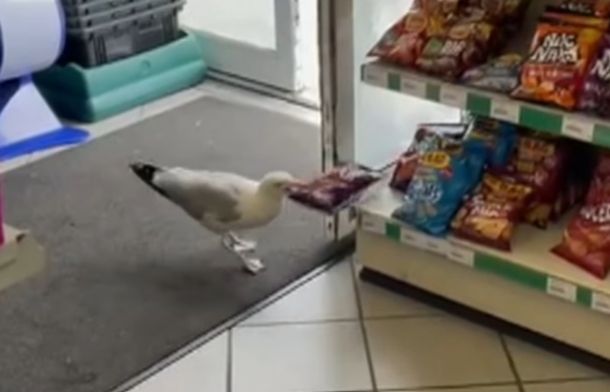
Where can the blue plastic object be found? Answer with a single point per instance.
(27, 124)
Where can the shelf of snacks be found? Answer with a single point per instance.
(499, 106)
(530, 263)
(499, 218)
(20, 257)
(540, 64)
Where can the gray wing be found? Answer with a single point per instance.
(200, 193)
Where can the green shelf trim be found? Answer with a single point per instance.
(478, 104)
(513, 272)
(500, 267)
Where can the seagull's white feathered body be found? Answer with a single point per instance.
(220, 202)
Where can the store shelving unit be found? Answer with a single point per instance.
(530, 291)
(20, 257)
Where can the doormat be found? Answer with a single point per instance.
(130, 278)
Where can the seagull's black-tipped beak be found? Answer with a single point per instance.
(146, 172)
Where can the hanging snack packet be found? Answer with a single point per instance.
(335, 190)
(586, 240)
(500, 74)
(557, 64)
(490, 215)
(598, 8)
(428, 137)
(442, 179)
(595, 96)
(498, 137)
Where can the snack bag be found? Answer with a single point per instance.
(586, 240)
(335, 190)
(490, 215)
(559, 58)
(500, 74)
(598, 8)
(428, 137)
(595, 95)
(498, 137)
(403, 43)
(539, 162)
(465, 45)
(441, 180)
(564, 18)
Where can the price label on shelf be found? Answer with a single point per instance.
(373, 224)
(578, 129)
(505, 110)
(436, 245)
(561, 289)
(601, 303)
(453, 96)
(376, 76)
(413, 87)
(461, 255)
(413, 238)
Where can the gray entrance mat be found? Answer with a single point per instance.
(130, 278)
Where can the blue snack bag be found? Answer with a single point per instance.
(498, 137)
(441, 181)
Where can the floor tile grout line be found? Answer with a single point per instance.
(566, 380)
(229, 386)
(365, 338)
(511, 362)
(339, 320)
(460, 388)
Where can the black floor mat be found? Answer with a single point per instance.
(130, 278)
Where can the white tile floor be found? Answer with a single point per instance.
(338, 334)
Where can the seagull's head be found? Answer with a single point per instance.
(277, 183)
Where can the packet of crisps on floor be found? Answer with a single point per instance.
(586, 240)
(335, 190)
(490, 215)
(442, 178)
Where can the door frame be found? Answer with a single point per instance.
(278, 67)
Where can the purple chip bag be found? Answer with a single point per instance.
(595, 96)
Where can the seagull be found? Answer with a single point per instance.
(223, 203)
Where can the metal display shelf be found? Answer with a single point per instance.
(20, 257)
(541, 118)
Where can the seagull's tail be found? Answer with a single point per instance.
(147, 173)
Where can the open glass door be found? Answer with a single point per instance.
(254, 39)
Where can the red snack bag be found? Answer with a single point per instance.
(595, 95)
(558, 61)
(586, 240)
(402, 43)
(465, 45)
(540, 162)
(334, 190)
(490, 215)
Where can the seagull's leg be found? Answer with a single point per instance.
(240, 244)
(251, 264)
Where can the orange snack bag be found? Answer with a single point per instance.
(557, 64)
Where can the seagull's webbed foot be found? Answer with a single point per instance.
(243, 249)
(252, 265)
